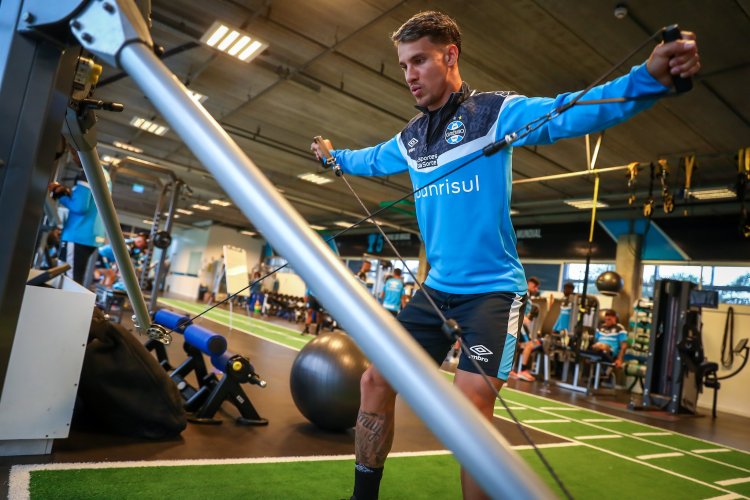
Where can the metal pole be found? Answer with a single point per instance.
(99, 189)
(176, 188)
(474, 441)
(155, 221)
(593, 171)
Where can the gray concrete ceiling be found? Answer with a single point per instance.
(331, 70)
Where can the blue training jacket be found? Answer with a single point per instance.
(83, 226)
(465, 218)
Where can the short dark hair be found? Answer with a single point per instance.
(397, 272)
(569, 285)
(534, 280)
(610, 312)
(439, 27)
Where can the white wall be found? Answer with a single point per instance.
(734, 395)
(184, 243)
(290, 284)
(209, 242)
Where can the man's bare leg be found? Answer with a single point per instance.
(475, 388)
(373, 436)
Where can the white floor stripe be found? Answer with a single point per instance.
(711, 450)
(601, 420)
(646, 434)
(561, 408)
(731, 496)
(655, 443)
(598, 436)
(659, 455)
(547, 421)
(730, 482)
(629, 459)
(573, 407)
(511, 408)
(545, 446)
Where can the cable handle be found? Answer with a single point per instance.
(328, 159)
(670, 34)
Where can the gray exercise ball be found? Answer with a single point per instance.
(325, 381)
(609, 283)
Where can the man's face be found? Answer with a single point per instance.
(568, 290)
(140, 242)
(533, 288)
(426, 66)
(610, 320)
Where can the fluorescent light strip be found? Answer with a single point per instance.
(221, 203)
(239, 45)
(185, 212)
(231, 37)
(217, 34)
(201, 207)
(248, 233)
(245, 55)
(317, 228)
(342, 223)
(314, 178)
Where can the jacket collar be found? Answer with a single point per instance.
(454, 100)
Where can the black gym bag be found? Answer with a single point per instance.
(123, 389)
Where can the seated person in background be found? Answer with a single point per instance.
(313, 309)
(106, 267)
(526, 344)
(611, 338)
(392, 296)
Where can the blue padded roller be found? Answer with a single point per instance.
(205, 340)
(220, 361)
(170, 319)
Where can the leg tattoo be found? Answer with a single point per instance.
(373, 438)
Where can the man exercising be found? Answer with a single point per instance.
(476, 277)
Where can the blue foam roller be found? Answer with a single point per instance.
(205, 340)
(171, 320)
(220, 361)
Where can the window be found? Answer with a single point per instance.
(575, 273)
(732, 282)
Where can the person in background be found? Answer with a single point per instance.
(611, 339)
(527, 344)
(392, 296)
(83, 230)
(314, 312)
(566, 308)
(255, 302)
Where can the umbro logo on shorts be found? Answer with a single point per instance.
(480, 350)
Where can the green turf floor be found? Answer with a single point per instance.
(614, 456)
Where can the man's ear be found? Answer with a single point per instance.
(451, 55)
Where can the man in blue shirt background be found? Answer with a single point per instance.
(476, 276)
(393, 293)
(611, 338)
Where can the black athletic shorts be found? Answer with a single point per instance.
(490, 323)
(312, 303)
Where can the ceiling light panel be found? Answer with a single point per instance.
(585, 204)
(315, 178)
(712, 194)
(198, 206)
(148, 126)
(233, 41)
(185, 212)
(127, 147)
(221, 203)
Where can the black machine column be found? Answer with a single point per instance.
(676, 364)
(36, 78)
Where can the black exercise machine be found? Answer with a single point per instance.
(205, 400)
